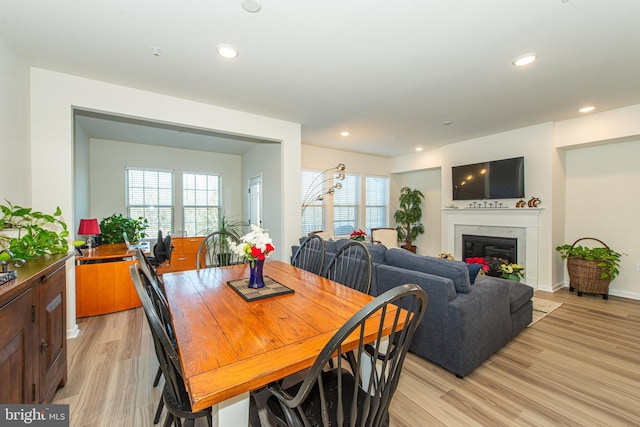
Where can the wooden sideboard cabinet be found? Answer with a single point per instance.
(183, 256)
(33, 342)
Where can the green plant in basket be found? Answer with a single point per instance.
(608, 259)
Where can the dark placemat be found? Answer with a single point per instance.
(271, 289)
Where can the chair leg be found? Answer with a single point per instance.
(156, 381)
(168, 420)
(158, 411)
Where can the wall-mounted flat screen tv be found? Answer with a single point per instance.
(496, 179)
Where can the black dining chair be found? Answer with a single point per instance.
(351, 266)
(310, 254)
(174, 393)
(357, 394)
(214, 251)
(150, 277)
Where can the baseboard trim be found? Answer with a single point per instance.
(73, 332)
(612, 292)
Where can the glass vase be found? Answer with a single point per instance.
(256, 280)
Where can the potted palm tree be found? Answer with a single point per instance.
(408, 217)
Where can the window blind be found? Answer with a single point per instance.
(345, 206)
(150, 195)
(377, 201)
(313, 214)
(201, 203)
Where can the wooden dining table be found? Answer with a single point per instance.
(229, 346)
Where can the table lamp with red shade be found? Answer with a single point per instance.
(89, 227)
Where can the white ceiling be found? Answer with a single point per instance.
(389, 72)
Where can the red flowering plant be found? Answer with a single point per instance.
(255, 245)
(479, 260)
(358, 235)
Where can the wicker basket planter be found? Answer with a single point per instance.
(586, 275)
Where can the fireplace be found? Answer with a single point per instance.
(504, 248)
(517, 225)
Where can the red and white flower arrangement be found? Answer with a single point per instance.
(255, 245)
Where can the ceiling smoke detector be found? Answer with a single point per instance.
(252, 6)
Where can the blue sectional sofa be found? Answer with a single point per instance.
(464, 323)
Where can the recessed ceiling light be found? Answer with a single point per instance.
(587, 109)
(419, 148)
(525, 59)
(344, 133)
(227, 51)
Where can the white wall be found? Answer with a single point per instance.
(81, 178)
(265, 160)
(53, 97)
(429, 183)
(14, 173)
(109, 160)
(602, 202)
(324, 158)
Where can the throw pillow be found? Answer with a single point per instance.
(474, 269)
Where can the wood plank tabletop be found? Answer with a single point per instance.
(229, 346)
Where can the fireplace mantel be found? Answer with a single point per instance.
(525, 220)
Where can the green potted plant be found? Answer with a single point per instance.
(408, 216)
(590, 269)
(228, 225)
(112, 227)
(232, 225)
(28, 233)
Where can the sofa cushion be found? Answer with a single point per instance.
(330, 246)
(457, 271)
(474, 269)
(375, 250)
(519, 293)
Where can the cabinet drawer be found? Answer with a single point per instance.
(183, 256)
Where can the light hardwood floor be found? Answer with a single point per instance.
(579, 366)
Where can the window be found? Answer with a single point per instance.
(345, 206)
(312, 209)
(150, 195)
(377, 199)
(348, 208)
(201, 203)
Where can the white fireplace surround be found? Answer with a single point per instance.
(519, 223)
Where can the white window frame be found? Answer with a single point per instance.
(355, 207)
(147, 206)
(384, 207)
(312, 208)
(215, 209)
